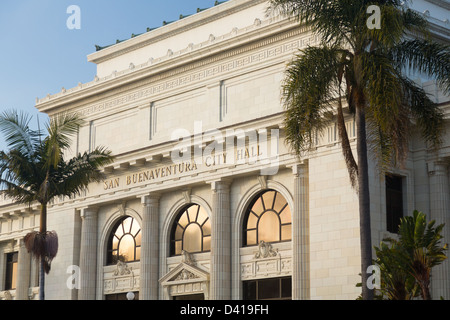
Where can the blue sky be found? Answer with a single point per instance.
(40, 55)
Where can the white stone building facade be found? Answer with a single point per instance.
(209, 79)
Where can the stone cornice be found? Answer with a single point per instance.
(194, 62)
(172, 29)
(441, 3)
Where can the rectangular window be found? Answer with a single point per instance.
(394, 202)
(11, 270)
(268, 289)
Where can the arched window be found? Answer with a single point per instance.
(191, 231)
(268, 218)
(125, 241)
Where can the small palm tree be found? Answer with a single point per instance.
(396, 282)
(421, 242)
(34, 170)
(363, 68)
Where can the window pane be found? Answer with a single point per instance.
(135, 227)
(192, 241)
(286, 232)
(115, 242)
(249, 290)
(268, 199)
(252, 221)
(206, 243)
(119, 231)
(126, 248)
(11, 270)
(192, 212)
(14, 276)
(202, 216)
(269, 289)
(138, 238)
(127, 224)
(269, 227)
(258, 207)
(286, 287)
(138, 253)
(394, 202)
(280, 202)
(178, 233)
(207, 228)
(251, 238)
(178, 247)
(285, 215)
(183, 220)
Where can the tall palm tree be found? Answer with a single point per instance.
(364, 69)
(34, 170)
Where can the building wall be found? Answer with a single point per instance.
(228, 84)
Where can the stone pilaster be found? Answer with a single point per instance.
(149, 247)
(88, 254)
(23, 272)
(300, 234)
(220, 277)
(440, 212)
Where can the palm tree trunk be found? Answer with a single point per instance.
(43, 231)
(364, 202)
(42, 280)
(425, 288)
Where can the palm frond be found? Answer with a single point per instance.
(75, 175)
(61, 129)
(308, 90)
(426, 57)
(424, 111)
(42, 246)
(18, 134)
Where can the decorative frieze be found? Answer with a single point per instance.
(265, 250)
(160, 84)
(122, 278)
(266, 262)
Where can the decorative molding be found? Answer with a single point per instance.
(185, 275)
(187, 258)
(205, 68)
(120, 278)
(122, 208)
(263, 182)
(441, 3)
(265, 250)
(122, 269)
(185, 279)
(170, 30)
(187, 195)
(8, 295)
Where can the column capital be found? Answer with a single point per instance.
(299, 169)
(437, 167)
(88, 212)
(149, 198)
(221, 184)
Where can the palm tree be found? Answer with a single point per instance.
(365, 69)
(396, 282)
(422, 249)
(36, 171)
(413, 255)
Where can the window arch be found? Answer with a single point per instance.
(191, 231)
(268, 218)
(124, 243)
